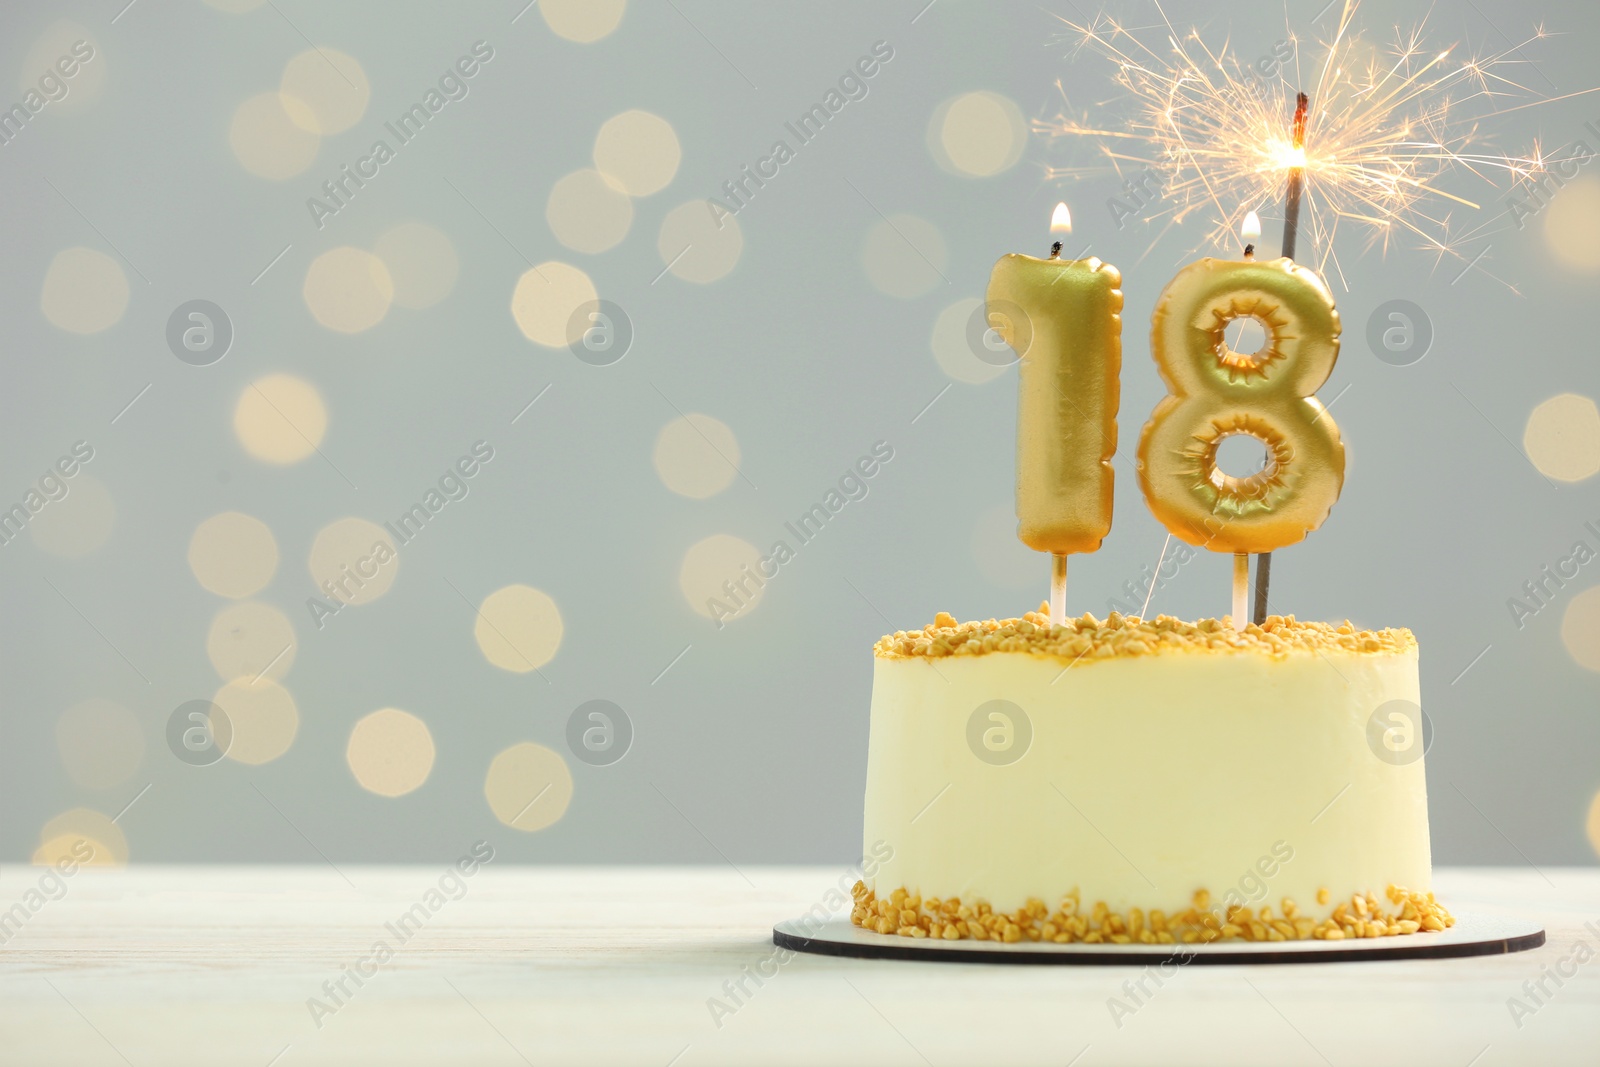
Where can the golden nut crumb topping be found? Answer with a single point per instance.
(1087, 637)
(1363, 915)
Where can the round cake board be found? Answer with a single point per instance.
(1472, 935)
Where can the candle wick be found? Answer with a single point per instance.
(1055, 250)
(1249, 251)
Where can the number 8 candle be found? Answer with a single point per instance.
(1063, 318)
(1217, 393)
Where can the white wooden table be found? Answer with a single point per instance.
(215, 965)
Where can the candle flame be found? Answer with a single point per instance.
(1251, 230)
(1061, 219)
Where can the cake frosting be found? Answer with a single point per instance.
(1152, 780)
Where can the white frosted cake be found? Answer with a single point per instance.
(1156, 781)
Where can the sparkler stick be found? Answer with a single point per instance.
(1291, 229)
(1297, 178)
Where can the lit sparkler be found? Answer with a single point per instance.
(1385, 127)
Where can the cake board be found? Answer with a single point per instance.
(1472, 935)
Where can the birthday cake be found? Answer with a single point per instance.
(1049, 778)
(1144, 781)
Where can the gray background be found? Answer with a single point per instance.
(758, 734)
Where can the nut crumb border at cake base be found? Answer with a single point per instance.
(1362, 916)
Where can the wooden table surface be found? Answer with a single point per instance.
(218, 965)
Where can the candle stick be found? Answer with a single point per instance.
(1064, 319)
(1291, 230)
(1058, 560)
(1058, 588)
(1241, 588)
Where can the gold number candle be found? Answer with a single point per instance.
(1063, 318)
(1218, 393)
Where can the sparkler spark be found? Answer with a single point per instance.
(1387, 126)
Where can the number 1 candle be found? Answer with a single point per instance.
(1063, 318)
